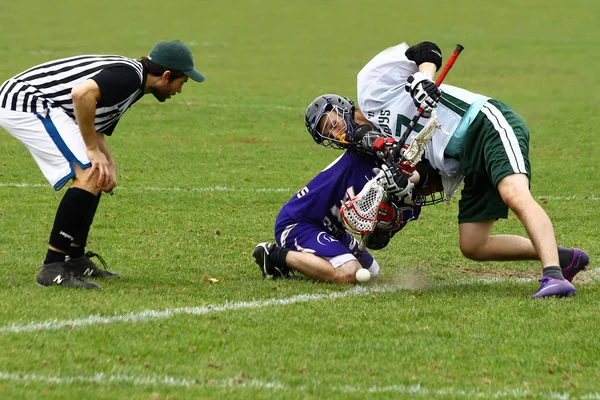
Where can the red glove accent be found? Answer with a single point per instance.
(387, 220)
(383, 144)
(407, 168)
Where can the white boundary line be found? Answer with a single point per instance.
(201, 382)
(258, 190)
(148, 315)
(138, 380)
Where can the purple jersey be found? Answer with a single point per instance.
(319, 202)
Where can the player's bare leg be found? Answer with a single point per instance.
(476, 243)
(515, 193)
(81, 182)
(320, 269)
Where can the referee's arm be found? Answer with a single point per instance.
(85, 96)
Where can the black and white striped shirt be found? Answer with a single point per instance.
(121, 81)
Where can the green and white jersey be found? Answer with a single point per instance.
(384, 102)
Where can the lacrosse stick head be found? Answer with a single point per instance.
(359, 213)
(328, 118)
(414, 151)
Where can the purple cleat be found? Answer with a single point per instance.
(554, 287)
(578, 263)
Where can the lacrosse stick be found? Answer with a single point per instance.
(414, 152)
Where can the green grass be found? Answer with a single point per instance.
(203, 176)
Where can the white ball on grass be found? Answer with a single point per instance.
(363, 275)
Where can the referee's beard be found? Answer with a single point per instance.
(161, 94)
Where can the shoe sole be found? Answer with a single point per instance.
(73, 287)
(554, 295)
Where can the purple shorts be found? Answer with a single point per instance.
(309, 238)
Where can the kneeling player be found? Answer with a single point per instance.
(309, 232)
(310, 236)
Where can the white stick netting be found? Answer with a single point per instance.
(359, 214)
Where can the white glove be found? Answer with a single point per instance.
(393, 181)
(424, 92)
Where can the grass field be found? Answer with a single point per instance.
(203, 176)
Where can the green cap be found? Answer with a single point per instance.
(174, 55)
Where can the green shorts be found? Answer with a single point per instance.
(496, 145)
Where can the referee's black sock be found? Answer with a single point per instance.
(72, 219)
(82, 236)
(54, 256)
(76, 251)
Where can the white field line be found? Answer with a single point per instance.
(241, 189)
(138, 380)
(201, 382)
(220, 105)
(148, 315)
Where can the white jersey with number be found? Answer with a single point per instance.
(385, 102)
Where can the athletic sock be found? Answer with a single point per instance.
(565, 255)
(76, 251)
(71, 223)
(553, 272)
(54, 256)
(277, 256)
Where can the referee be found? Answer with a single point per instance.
(62, 112)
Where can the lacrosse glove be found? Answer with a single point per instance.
(393, 180)
(367, 139)
(383, 145)
(389, 218)
(424, 92)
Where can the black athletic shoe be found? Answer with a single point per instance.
(269, 271)
(57, 273)
(84, 267)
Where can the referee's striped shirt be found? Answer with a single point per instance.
(50, 85)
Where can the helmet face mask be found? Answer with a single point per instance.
(329, 118)
(431, 190)
(426, 197)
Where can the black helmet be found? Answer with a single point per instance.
(322, 104)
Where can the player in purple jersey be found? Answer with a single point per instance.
(310, 235)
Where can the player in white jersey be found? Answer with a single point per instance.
(61, 111)
(480, 141)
